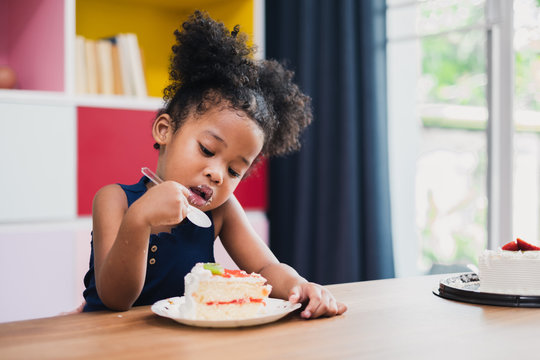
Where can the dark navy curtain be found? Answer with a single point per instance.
(329, 205)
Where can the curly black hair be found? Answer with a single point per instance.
(211, 66)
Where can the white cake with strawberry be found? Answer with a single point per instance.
(513, 269)
(215, 293)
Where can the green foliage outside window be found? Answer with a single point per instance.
(454, 66)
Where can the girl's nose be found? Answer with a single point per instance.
(215, 175)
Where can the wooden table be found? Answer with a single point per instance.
(387, 319)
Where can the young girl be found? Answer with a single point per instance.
(223, 111)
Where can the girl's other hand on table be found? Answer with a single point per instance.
(320, 302)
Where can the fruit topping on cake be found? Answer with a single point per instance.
(525, 246)
(520, 245)
(511, 246)
(215, 268)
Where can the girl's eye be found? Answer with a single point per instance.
(234, 173)
(205, 151)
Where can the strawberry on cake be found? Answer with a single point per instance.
(513, 269)
(215, 293)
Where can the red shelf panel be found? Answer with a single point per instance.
(113, 145)
(252, 192)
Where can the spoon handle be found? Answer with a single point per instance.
(151, 175)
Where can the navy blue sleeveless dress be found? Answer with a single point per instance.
(170, 257)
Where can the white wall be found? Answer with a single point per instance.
(37, 162)
(41, 268)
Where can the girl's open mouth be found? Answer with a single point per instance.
(200, 195)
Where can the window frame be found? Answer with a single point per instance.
(500, 130)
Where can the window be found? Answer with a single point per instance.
(451, 75)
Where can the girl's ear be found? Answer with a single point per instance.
(162, 130)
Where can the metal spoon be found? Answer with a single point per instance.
(194, 215)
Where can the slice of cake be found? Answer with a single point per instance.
(214, 293)
(513, 269)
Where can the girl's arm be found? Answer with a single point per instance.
(121, 236)
(250, 253)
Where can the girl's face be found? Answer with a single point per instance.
(209, 154)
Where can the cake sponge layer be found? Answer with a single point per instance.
(225, 291)
(229, 311)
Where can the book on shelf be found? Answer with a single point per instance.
(92, 86)
(139, 83)
(105, 67)
(110, 66)
(117, 71)
(80, 66)
(125, 64)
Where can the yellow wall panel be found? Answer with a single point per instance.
(154, 24)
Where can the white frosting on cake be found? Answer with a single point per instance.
(191, 282)
(229, 296)
(509, 272)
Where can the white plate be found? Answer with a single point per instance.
(275, 310)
